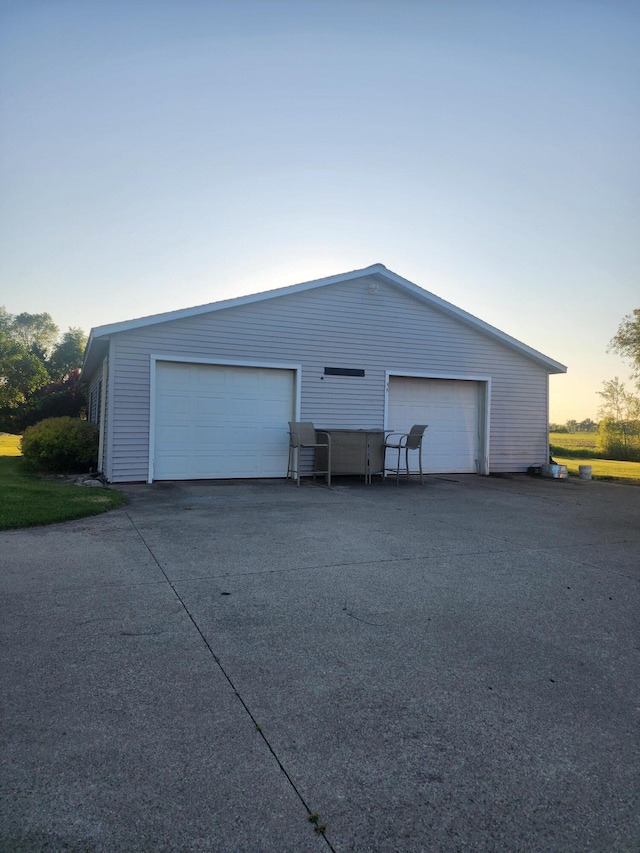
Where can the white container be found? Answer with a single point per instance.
(584, 472)
(557, 472)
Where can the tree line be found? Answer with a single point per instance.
(576, 426)
(39, 370)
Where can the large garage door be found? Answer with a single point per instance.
(451, 409)
(215, 421)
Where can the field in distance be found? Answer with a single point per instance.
(577, 443)
(574, 440)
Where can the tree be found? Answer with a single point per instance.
(67, 355)
(626, 341)
(618, 403)
(5, 320)
(64, 398)
(21, 372)
(30, 358)
(37, 332)
(619, 435)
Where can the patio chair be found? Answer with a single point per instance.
(303, 434)
(402, 443)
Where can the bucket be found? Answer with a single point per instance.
(557, 472)
(584, 472)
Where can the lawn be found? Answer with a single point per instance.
(602, 469)
(27, 500)
(580, 448)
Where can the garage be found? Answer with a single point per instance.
(206, 392)
(451, 408)
(221, 421)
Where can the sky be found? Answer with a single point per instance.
(158, 155)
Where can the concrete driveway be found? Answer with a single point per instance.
(451, 667)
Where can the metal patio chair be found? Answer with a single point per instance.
(403, 443)
(303, 434)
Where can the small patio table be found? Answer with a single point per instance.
(355, 451)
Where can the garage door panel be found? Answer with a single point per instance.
(450, 408)
(209, 466)
(207, 406)
(169, 404)
(173, 435)
(211, 381)
(176, 375)
(244, 383)
(274, 408)
(247, 438)
(211, 436)
(271, 437)
(174, 464)
(243, 407)
(226, 421)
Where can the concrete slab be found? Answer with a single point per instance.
(448, 667)
(98, 551)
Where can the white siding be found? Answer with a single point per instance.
(98, 409)
(340, 325)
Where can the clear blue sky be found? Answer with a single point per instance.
(157, 155)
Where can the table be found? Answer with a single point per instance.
(354, 451)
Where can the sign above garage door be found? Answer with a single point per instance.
(452, 409)
(217, 421)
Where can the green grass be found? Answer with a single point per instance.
(602, 469)
(581, 448)
(27, 500)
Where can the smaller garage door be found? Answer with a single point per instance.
(218, 422)
(451, 408)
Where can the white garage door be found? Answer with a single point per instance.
(451, 409)
(216, 422)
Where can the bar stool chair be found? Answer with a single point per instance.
(403, 443)
(303, 434)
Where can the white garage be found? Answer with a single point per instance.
(452, 410)
(206, 392)
(220, 421)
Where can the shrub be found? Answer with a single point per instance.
(619, 440)
(61, 445)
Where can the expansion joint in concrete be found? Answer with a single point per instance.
(320, 829)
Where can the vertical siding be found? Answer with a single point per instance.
(340, 325)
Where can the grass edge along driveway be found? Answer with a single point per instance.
(27, 500)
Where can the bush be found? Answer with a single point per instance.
(61, 445)
(619, 440)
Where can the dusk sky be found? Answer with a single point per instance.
(159, 155)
